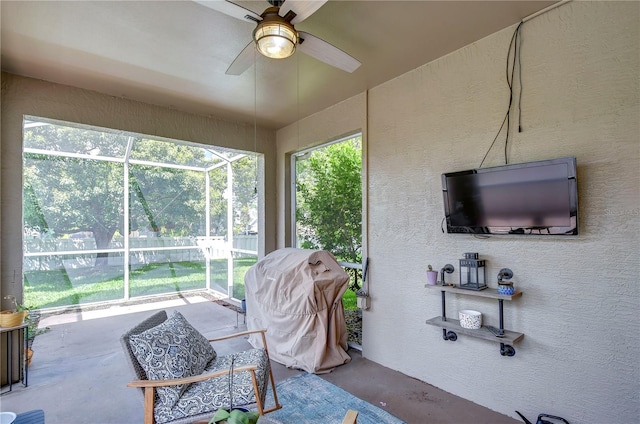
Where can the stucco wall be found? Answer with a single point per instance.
(25, 96)
(579, 357)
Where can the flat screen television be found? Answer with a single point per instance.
(534, 198)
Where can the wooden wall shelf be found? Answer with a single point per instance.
(450, 327)
(488, 293)
(481, 333)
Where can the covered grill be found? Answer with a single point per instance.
(296, 294)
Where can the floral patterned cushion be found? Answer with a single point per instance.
(172, 349)
(209, 395)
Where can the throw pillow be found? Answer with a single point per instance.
(173, 349)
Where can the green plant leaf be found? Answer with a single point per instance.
(235, 417)
(220, 415)
(241, 417)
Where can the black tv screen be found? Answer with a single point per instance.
(536, 198)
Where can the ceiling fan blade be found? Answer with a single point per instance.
(243, 61)
(302, 8)
(231, 9)
(327, 53)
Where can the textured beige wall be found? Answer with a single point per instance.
(25, 96)
(580, 98)
(579, 357)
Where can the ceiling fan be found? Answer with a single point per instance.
(276, 37)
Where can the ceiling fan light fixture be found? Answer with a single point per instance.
(275, 39)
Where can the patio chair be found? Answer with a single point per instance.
(182, 377)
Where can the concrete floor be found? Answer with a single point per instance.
(79, 373)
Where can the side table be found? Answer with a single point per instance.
(11, 338)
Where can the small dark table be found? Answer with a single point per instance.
(23, 334)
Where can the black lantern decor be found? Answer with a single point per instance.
(472, 272)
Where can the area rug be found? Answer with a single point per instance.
(308, 399)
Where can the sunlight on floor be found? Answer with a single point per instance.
(66, 318)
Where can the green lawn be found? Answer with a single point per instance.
(349, 300)
(58, 288)
(48, 289)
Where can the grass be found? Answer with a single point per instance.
(46, 289)
(59, 288)
(349, 300)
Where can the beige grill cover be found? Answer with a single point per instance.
(296, 295)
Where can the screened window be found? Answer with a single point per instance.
(328, 201)
(110, 215)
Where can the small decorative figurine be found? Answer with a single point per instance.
(505, 287)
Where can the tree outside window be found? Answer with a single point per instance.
(329, 201)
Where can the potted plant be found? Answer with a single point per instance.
(13, 317)
(432, 276)
(235, 416)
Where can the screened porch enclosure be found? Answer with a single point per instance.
(111, 216)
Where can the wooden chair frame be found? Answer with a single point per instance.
(149, 386)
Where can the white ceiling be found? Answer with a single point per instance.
(175, 53)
